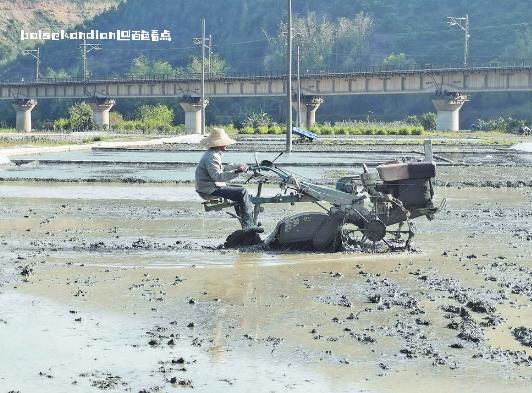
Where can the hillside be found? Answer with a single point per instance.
(242, 32)
(499, 30)
(29, 14)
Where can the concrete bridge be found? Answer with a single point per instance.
(448, 88)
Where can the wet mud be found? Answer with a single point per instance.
(138, 294)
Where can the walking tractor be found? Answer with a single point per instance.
(369, 212)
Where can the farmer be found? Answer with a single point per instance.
(211, 177)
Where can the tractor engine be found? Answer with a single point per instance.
(410, 182)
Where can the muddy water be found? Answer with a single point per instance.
(138, 263)
(484, 167)
(194, 156)
(162, 166)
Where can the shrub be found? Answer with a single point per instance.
(327, 130)
(262, 130)
(340, 130)
(61, 124)
(115, 120)
(355, 130)
(247, 130)
(230, 128)
(258, 119)
(404, 131)
(428, 121)
(275, 130)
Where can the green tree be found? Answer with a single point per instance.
(56, 74)
(340, 44)
(116, 120)
(80, 117)
(140, 66)
(426, 120)
(218, 65)
(61, 124)
(524, 44)
(143, 66)
(155, 117)
(162, 68)
(399, 61)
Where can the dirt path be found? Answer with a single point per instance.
(20, 151)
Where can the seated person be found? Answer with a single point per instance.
(211, 177)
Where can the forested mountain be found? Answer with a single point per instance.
(333, 34)
(31, 14)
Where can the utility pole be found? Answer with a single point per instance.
(210, 53)
(85, 49)
(35, 53)
(289, 80)
(298, 90)
(203, 42)
(203, 76)
(462, 23)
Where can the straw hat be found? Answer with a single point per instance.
(218, 137)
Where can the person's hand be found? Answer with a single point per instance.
(242, 168)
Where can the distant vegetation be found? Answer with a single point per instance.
(34, 15)
(502, 124)
(160, 119)
(144, 66)
(149, 119)
(399, 61)
(324, 43)
(343, 128)
(248, 37)
(80, 119)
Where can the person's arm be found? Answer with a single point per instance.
(215, 169)
(231, 166)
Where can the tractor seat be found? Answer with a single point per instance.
(214, 203)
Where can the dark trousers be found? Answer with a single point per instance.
(241, 196)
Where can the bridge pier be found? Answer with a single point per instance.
(192, 107)
(448, 105)
(307, 110)
(100, 112)
(23, 108)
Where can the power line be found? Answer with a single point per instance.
(462, 23)
(203, 42)
(36, 54)
(85, 49)
(418, 32)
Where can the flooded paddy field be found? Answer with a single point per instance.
(478, 167)
(123, 287)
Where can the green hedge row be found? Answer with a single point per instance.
(343, 129)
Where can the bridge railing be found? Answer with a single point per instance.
(308, 73)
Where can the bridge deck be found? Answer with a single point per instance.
(379, 81)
